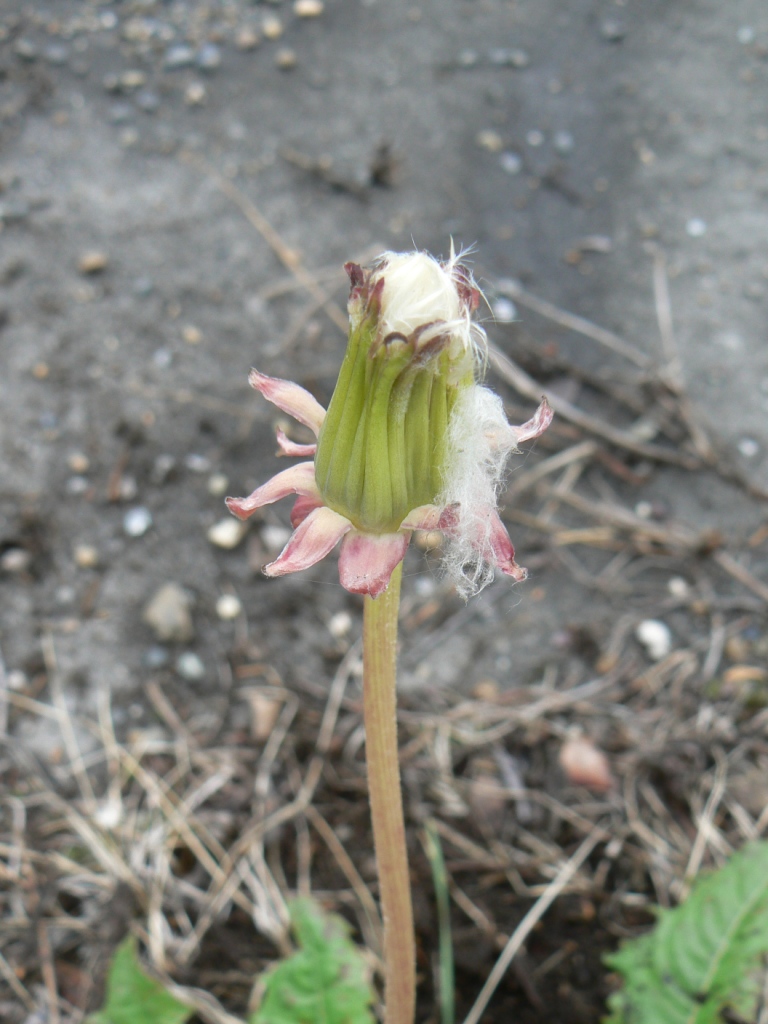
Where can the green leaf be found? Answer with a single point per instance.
(135, 998)
(704, 957)
(325, 982)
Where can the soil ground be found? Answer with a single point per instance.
(180, 184)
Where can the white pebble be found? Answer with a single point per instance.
(656, 638)
(137, 521)
(228, 607)
(535, 137)
(218, 484)
(504, 311)
(275, 537)
(748, 447)
(696, 227)
(86, 556)
(339, 625)
(678, 587)
(190, 666)
(197, 463)
(308, 8)
(227, 533)
(745, 35)
(511, 163)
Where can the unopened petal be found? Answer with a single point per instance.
(536, 425)
(298, 479)
(291, 398)
(367, 560)
(425, 517)
(503, 551)
(312, 540)
(289, 447)
(304, 504)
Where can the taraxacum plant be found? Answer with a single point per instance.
(412, 440)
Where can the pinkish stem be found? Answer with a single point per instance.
(380, 714)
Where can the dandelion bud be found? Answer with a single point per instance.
(382, 448)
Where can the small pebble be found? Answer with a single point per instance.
(191, 334)
(15, 560)
(16, 680)
(247, 38)
(179, 56)
(133, 79)
(25, 49)
(208, 57)
(86, 556)
(275, 537)
(195, 94)
(745, 35)
(562, 142)
(264, 712)
(286, 59)
(197, 463)
(504, 311)
(111, 82)
(535, 137)
(696, 227)
(514, 58)
(127, 487)
(613, 30)
(467, 58)
(272, 27)
(137, 521)
(656, 638)
(162, 468)
(308, 8)
(218, 484)
(511, 163)
(339, 625)
(168, 614)
(190, 666)
(228, 607)
(585, 764)
(227, 533)
(93, 262)
(678, 587)
(748, 447)
(490, 140)
(78, 462)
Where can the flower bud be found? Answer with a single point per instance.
(412, 351)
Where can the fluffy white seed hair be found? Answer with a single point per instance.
(480, 441)
(419, 290)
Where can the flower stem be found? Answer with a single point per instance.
(380, 714)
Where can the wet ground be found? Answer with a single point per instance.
(180, 184)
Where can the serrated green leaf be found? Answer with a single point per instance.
(704, 957)
(135, 998)
(325, 982)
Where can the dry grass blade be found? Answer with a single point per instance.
(526, 386)
(578, 324)
(527, 925)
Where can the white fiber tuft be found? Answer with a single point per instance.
(479, 443)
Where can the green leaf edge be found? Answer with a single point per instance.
(652, 997)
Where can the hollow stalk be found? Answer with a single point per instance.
(385, 794)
